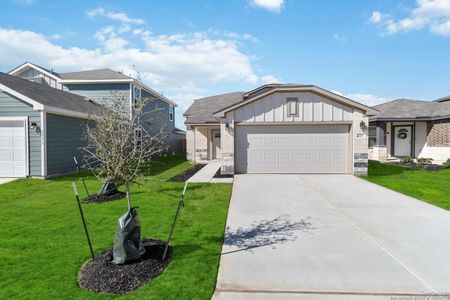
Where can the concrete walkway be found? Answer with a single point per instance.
(206, 174)
(6, 180)
(330, 237)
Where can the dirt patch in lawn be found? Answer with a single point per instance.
(185, 175)
(104, 198)
(102, 275)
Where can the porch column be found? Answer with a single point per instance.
(379, 151)
(381, 128)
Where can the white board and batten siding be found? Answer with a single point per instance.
(311, 108)
(316, 140)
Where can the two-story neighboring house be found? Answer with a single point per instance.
(43, 115)
(99, 84)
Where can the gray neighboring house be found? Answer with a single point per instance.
(41, 128)
(280, 128)
(98, 85)
(414, 128)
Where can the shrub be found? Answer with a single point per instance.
(406, 160)
(446, 164)
(424, 161)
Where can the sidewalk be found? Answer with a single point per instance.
(206, 174)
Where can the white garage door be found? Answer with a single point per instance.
(292, 149)
(12, 149)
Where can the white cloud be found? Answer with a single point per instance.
(184, 66)
(26, 2)
(367, 99)
(270, 5)
(269, 79)
(431, 14)
(116, 16)
(340, 38)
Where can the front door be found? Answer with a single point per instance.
(216, 144)
(402, 140)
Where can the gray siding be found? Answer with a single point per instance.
(13, 107)
(158, 116)
(64, 137)
(100, 92)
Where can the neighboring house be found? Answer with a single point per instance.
(99, 84)
(411, 128)
(280, 128)
(41, 128)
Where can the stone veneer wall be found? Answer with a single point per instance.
(197, 143)
(360, 144)
(227, 144)
(438, 134)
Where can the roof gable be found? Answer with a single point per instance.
(296, 88)
(47, 98)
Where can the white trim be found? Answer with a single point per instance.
(43, 144)
(27, 144)
(319, 91)
(131, 86)
(36, 105)
(27, 149)
(155, 93)
(30, 65)
(67, 113)
(294, 123)
(94, 81)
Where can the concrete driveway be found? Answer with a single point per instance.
(6, 180)
(333, 237)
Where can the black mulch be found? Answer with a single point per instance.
(218, 175)
(431, 167)
(185, 175)
(104, 198)
(102, 275)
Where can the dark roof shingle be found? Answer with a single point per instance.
(201, 111)
(411, 109)
(99, 74)
(49, 96)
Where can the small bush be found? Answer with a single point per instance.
(446, 164)
(406, 160)
(424, 161)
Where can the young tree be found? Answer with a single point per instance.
(119, 144)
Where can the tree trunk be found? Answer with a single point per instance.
(127, 185)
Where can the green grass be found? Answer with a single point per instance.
(430, 186)
(43, 246)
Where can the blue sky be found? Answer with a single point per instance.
(369, 50)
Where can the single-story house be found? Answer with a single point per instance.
(411, 128)
(280, 128)
(98, 85)
(41, 128)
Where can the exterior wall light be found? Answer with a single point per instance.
(363, 125)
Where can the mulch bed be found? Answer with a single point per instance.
(219, 175)
(420, 167)
(102, 275)
(185, 175)
(104, 198)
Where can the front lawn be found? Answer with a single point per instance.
(430, 186)
(43, 246)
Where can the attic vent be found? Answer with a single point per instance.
(292, 106)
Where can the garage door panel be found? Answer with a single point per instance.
(12, 149)
(292, 149)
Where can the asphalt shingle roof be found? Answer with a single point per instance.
(412, 109)
(201, 111)
(99, 74)
(49, 96)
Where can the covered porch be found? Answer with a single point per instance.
(394, 140)
(203, 142)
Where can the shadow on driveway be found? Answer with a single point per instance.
(266, 232)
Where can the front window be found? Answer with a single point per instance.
(292, 106)
(372, 136)
(171, 111)
(137, 94)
